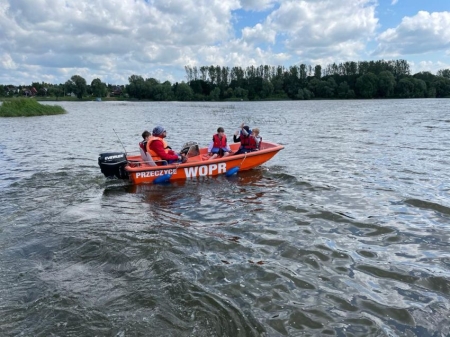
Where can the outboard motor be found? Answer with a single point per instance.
(113, 164)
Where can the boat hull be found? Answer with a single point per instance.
(200, 166)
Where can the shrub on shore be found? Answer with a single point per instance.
(27, 107)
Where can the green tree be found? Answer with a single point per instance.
(386, 84)
(314, 85)
(351, 94)
(304, 94)
(307, 94)
(200, 87)
(420, 88)
(442, 86)
(431, 92)
(228, 93)
(277, 83)
(323, 88)
(79, 86)
(98, 88)
(184, 92)
(302, 72)
(343, 89)
(267, 89)
(327, 89)
(56, 91)
(367, 85)
(425, 76)
(318, 71)
(405, 88)
(291, 82)
(148, 88)
(444, 73)
(38, 86)
(2, 90)
(163, 92)
(241, 93)
(136, 87)
(400, 68)
(215, 94)
(69, 87)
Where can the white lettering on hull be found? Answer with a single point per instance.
(148, 174)
(205, 170)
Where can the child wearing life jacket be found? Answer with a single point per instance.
(146, 157)
(248, 143)
(257, 137)
(218, 145)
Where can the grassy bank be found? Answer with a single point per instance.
(27, 107)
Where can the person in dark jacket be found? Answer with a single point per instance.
(248, 143)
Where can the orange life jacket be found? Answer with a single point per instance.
(219, 143)
(153, 153)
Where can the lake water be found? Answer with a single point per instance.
(345, 232)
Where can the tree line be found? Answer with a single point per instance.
(365, 79)
(75, 86)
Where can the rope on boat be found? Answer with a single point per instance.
(245, 156)
(235, 169)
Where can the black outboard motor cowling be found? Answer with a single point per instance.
(113, 164)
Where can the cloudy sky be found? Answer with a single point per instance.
(52, 40)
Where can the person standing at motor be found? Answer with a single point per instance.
(248, 143)
(160, 150)
(218, 145)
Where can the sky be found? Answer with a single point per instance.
(52, 40)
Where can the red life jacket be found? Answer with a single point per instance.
(143, 146)
(219, 143)
(248, 142)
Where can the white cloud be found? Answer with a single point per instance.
(419, 34)
(315, 28)
(258, 34)
(257, 5)
(7, 62)
(430, 66)
(394, 2)
(51, 40)
(81, 34)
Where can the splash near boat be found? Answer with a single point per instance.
(198, 164)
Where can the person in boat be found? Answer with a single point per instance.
(248, 143)
(218, 145)
(160, 150)
(146, 158)
(257, 137)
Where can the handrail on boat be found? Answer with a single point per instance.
(139, 162)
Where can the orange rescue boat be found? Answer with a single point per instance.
(198, 164)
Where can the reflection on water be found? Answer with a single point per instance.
(343, 233)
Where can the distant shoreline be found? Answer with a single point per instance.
(116, 99)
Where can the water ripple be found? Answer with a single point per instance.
(343, 233)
